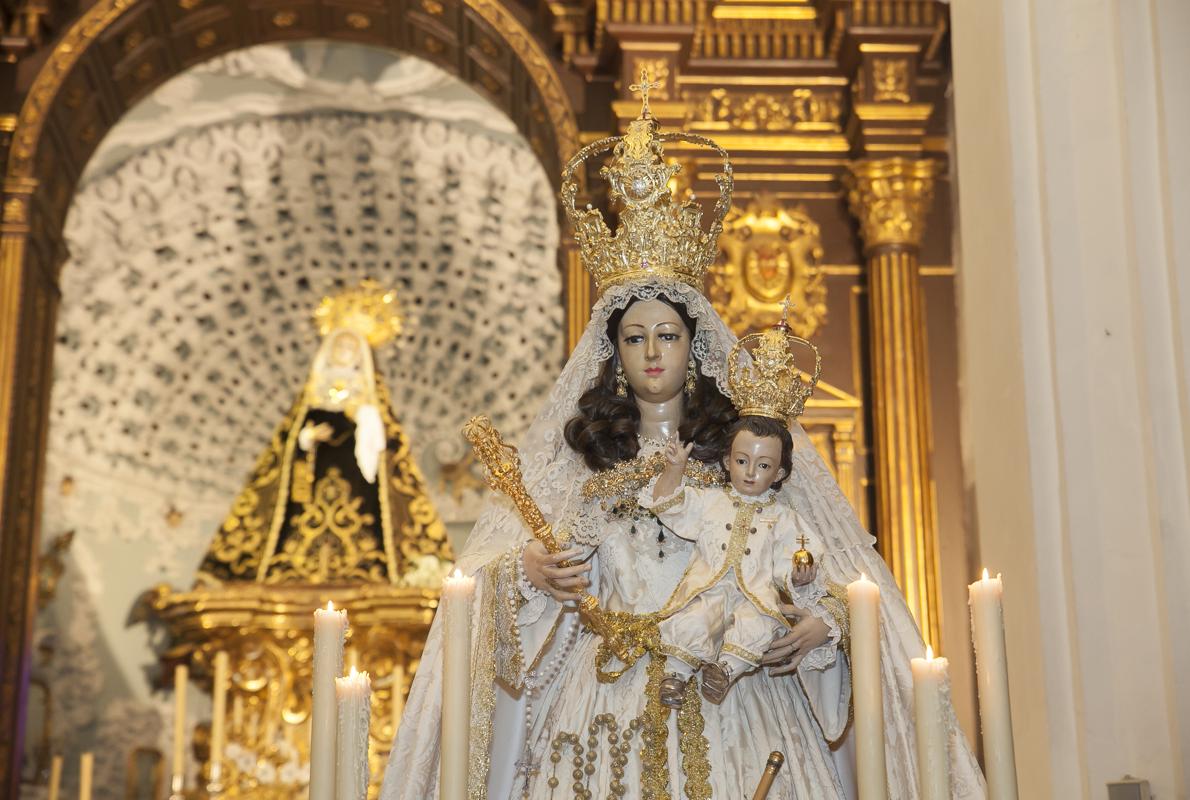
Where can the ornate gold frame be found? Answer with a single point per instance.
(76, 98)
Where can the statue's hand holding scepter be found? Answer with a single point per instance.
(625, 636)
(502, 466)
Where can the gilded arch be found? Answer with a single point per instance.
(109, 59)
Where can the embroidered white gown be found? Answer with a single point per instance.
(635, 572)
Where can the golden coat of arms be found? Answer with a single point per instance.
(769, 253)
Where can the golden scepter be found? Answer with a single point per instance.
(627, 636)
(502, 463)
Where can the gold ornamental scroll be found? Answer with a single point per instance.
(891, 198)
(626, 636)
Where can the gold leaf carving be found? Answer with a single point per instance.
(890, 80)
(890, 198)
(801, 110)
(767, 253)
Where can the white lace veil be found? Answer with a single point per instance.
(554, 474)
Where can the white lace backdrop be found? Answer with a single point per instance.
(207, 227)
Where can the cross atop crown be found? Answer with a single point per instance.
(786, 307)
(642, 88)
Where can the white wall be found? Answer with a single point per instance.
(1072, 120)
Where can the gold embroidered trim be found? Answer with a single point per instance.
(740, 652)
(483, 687)
(506, 600)
(669, 503)
(735, 551)
(685, 656)
(693, 745)
(835, 603)
(654, 756)
(627, 478)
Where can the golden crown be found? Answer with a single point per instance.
(657, 236)
(368, 309)
(772, 385)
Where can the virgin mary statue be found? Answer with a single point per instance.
(336, 495)
(552, 715)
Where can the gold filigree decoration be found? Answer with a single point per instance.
(654, 771)
(771, 385)
(627, 478)
(693, 745)
(802, 109)
(890, 80)
(409, 530)
(768, 253)
(890, 198)
(657, 236)
(331, 539)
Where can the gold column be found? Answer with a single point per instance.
(890, 198)
(578, 295)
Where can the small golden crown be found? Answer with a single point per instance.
(656, 236)
(772, 385)
(368, 309)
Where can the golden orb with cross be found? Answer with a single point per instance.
(803, 558)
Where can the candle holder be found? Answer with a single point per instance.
(267, 632)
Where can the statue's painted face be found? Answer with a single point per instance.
(654, 348)
(344, 351)
(754, 463)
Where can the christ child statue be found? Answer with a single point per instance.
(723, 615)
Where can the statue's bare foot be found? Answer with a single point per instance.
(672, 690)
(715, 682)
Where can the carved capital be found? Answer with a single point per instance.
(890, 198)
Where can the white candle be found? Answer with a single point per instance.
(330, 628)
(398, 697)
(219, 715)
(86, 766)
(987, 625)
(457, 591)
(178, 774)
(863, 600)
(354, 695)
(55, 777)
(931, 688)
